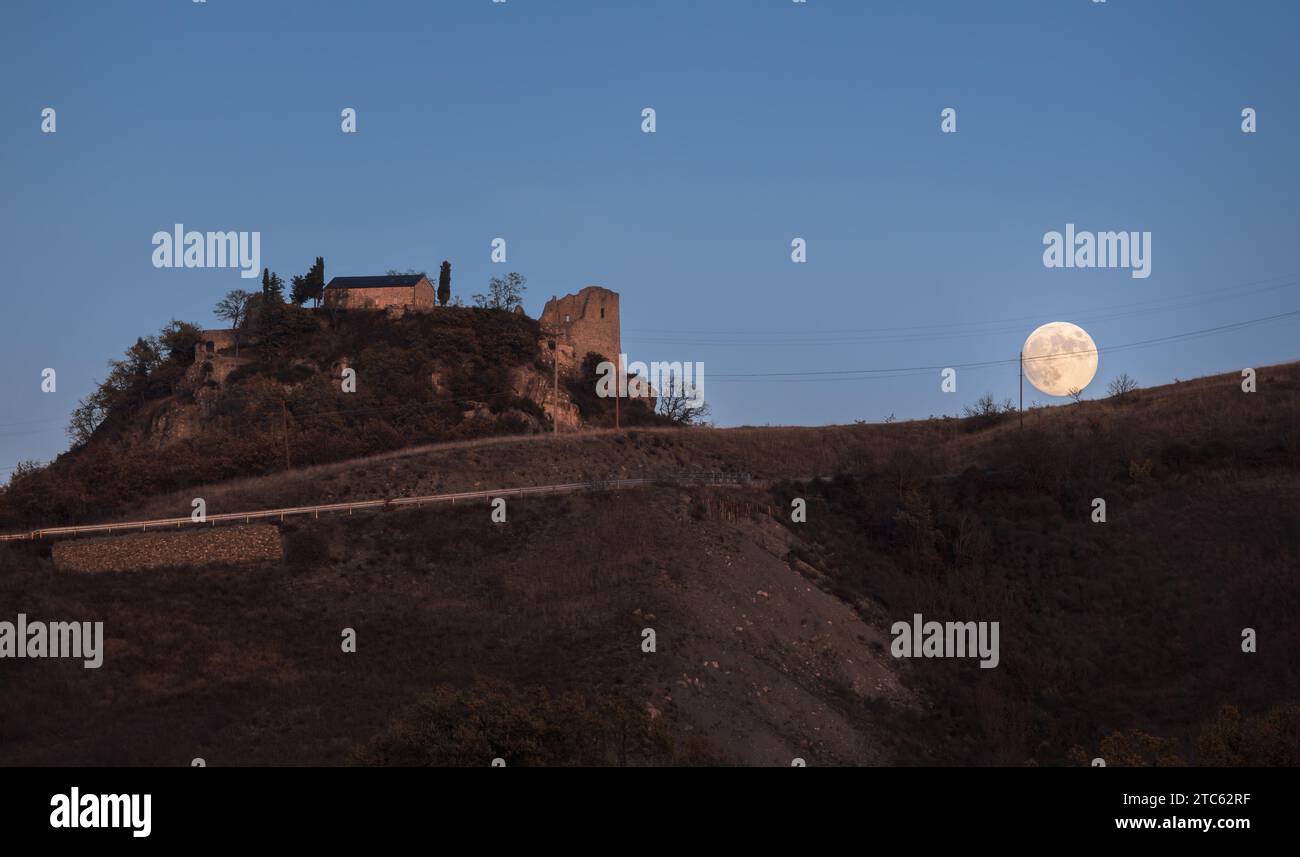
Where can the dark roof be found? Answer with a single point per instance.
(374, 282)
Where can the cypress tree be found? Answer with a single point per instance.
(444, 284)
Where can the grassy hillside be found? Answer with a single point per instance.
(1120, 639)
(1129, 626)
(243, 665)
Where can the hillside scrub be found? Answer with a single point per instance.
(1119, 639)
(528, 727)
(242, 663)
(419, 379)
(1124, 634)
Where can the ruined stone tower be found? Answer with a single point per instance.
(585, 322)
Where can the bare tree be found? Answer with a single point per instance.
(1074, 393)
(681, 402)
(1122, 386)
(89, 414)
(25, 468)
(503, 292)
(234, 309)
(987, 406)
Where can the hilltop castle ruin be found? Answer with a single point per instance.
(580, 324)
(584, 323)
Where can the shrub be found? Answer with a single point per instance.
(526, 727)
(1121, 386)
(986, 412)
(305, 549)
(1265, 740)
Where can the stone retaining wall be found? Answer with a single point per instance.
(196, 546)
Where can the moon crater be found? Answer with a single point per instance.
(1060, 357)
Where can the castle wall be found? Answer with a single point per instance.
(213, 342)
(586, 322)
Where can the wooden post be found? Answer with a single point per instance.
(555, 364)
(1022, 389)
(284, 411)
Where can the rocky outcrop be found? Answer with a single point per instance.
(174, 422)
(530, 383)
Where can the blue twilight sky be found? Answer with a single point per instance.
(776, 120)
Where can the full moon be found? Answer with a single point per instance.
(1060, 357)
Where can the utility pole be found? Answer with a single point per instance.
(284, 413)
(1022, 389)
(555, 363)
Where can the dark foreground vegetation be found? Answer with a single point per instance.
(474, 641)
(528, 727)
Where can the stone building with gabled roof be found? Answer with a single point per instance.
(393, 292)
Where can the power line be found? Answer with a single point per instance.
(895, 334)
(991, 326)
(832, 374)
(773, 377)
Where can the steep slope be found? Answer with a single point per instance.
(753, 665)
